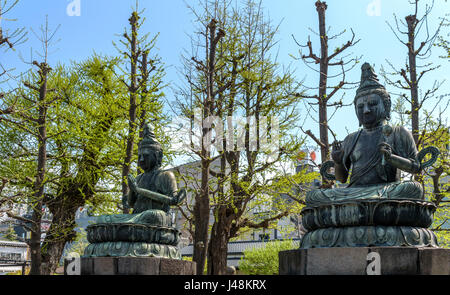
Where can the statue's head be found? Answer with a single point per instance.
(149, 151)
(372, 101)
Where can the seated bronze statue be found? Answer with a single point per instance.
(374, 155)
(148, 230)
(152, 192)
(376, 208)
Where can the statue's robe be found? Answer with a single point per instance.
(146, 210)
(159, 181)
(369, 178)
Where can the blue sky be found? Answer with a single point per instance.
(100, 21)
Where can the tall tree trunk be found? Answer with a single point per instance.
(201, 215)
(60, 232)
(133, 106)
(35, 243)
(218, 245)
(144, 94)
(202, 207)
(323, 98)
(411, 21)
(323, 118)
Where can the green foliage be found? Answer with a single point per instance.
(79, 243)
(443, 41)
(10, 234)
(434, 131)
(436, 181)
(248, 82)
(264, 260)
(86, 111)
(142, 72)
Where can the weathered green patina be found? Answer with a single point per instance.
(377, 208)
(370, 236)
(148, 230)
(369, 212)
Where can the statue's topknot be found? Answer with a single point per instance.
(369, 82)
(149, 139)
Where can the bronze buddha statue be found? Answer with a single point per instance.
(375, 155)
(377, 207)
(148, 230)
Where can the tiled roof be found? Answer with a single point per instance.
(13, 244)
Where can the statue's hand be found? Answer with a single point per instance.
(337, 152)
(179, 197)
(132, 183)
(385, 150)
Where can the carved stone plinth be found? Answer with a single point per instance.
(357, 261)
(397, 212)
(368, 223)
(132, 240)
(366, 236)
(107, 232)
(135, 266)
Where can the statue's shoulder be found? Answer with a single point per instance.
(166, 177)
(166, 174)
(401, 130)
(403, 142)
(352, 137)
(402, 134)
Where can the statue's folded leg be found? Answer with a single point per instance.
(326, 196)
(314, 197)
(152, 217)
(116, 218)
(405, 190)
(395, 190)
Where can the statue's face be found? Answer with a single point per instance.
(147, 158)
(370, 110)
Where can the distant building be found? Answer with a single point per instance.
(12, 254)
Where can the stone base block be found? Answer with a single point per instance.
(135, 266)
(365, 260)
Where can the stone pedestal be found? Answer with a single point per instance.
(359, 261)
(369, 223)
(135, 266)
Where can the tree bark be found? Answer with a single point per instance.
(143, 112)
(411, 21)
(35, 243)
(202, 207)
(218, 245)
(60, 232)
(323, 118)
(133, 105)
